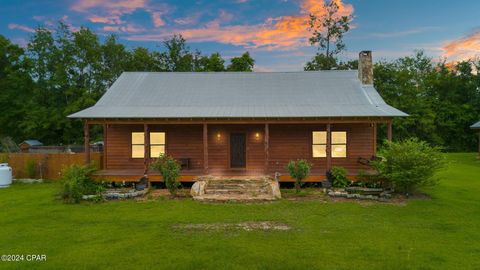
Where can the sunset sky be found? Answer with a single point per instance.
(273, 31)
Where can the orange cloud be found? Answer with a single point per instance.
(464, 48)
(281, 33)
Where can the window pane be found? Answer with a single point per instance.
(138, 151)
(157, 137)
(319, 137)
(137, 138)
(339, 137)
(319, 150)
(339, 151)
(156, 150)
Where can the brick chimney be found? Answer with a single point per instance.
(365, 67)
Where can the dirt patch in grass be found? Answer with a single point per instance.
(245, 226)
(164, 194)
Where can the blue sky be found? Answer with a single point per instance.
(273, 31)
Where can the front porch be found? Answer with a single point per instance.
(234, 147)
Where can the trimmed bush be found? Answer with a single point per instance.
(77, 181)
(409, 164)
(299, 170)
(339, 177)
(169, 168)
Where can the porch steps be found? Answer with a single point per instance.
(241, 189)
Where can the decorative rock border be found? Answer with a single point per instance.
(113, 194)
(384, 196)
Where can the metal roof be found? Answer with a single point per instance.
(476, 125)
(239, 94)
(33, 142)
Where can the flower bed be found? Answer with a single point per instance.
(115, 194)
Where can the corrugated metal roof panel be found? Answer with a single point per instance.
(239, 94)
(476, 125)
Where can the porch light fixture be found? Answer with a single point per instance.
(257, 135)
(219, 135)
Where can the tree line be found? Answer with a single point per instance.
(61, 72)
(442, 99)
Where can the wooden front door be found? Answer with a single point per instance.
(238, 150)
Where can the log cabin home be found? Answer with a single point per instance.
(239, 123)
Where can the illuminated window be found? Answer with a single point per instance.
(339, 144)
(157, 144)
(319, 144)
(138, 145)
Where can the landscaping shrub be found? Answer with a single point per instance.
(409, 164)
(77, 181)
(299, 170)
(31, 169)
(339, 177)
(169, 168)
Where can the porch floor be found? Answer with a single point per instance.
(117, 175)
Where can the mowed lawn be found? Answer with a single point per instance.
(441, 233)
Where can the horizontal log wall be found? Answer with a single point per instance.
(290, 142)
(48, 166)
(182, 141)
(287, 142)
(219, 148)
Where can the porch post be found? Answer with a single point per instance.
(389, 130)
(329, 146)
(374, 126)
(146, 155)
(205, 148)
(86, 135)
(266, 141)
(105, 134)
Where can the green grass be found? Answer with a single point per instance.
(441, 233)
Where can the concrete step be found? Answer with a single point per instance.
(235, 198)
(236, 191)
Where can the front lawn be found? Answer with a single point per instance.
(439, 233)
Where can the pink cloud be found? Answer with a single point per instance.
(113, 6)
(114, 19)
(281, 33)
(21, 27)
(157, 19)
